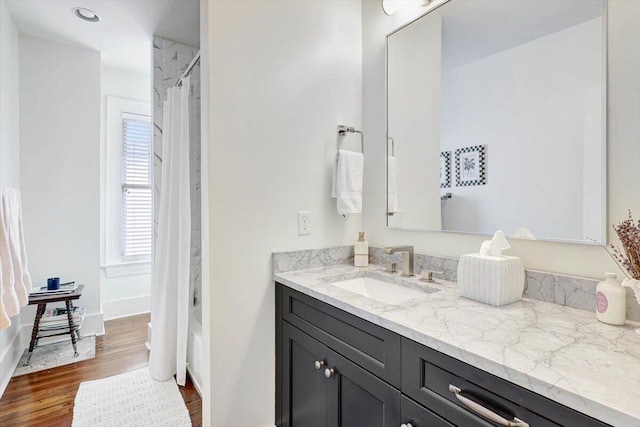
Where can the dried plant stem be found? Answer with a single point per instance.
(628, 256)
(620, 266)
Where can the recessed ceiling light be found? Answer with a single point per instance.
(392, 6)
(86, 14)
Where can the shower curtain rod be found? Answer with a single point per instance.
(192, 64)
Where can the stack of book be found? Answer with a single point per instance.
(65, 288)
(56, 318)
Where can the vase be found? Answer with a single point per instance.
(634, 284)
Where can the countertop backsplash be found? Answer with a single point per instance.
(311, 258)
(570, 291)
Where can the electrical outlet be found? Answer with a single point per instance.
(304, 223)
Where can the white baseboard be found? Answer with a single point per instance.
(9, 360)
(93, 325)
(126, 307)
(148, 343)
(195, 382)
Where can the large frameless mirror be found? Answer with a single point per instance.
(496, 120)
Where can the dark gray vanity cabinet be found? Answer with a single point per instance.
(418, 416)
(325, 389)
(359, 399)
(305, 397)
(320, 387)
(337, 370)
(436, 380)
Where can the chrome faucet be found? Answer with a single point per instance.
(407, 258)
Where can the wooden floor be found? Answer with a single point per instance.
(46, 398)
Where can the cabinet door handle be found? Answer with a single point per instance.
(487, 413)
(329, 372)
(406, 425)
(319, 364)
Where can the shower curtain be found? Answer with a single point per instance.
(170, 293)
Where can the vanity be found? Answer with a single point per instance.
(350, 354)
(495, 120)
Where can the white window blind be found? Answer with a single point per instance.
(137, 208)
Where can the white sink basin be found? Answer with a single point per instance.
(388, 293)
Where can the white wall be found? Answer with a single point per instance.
(527, 104)
(129, 294)
(205, 388)
(623, 147)
(60, 168)
(10, 344)
(282, 76)
(9, 143)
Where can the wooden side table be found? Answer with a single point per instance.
(41, 301)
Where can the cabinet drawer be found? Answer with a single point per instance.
(428, 377)
(419, 416)
(374, 348)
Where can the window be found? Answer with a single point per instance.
(136, 179)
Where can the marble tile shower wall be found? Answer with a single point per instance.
(170, 59)
(576, 292)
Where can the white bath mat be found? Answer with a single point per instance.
(130, 399)
(57, 354)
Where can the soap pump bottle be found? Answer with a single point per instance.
(611, 301)
(361, 251)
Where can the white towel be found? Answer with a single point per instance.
(392, 184)
(5, 321)
(15, 281)
(10, 305)
(347, 182)
(19, 253)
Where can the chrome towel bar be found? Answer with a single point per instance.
(343, 130)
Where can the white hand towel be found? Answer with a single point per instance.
(16, 241)
(392, 184)
(10, 305)
(347, 182)
(5, 321)
(15, 281)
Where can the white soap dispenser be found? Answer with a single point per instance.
(611, 301)
(361, 251)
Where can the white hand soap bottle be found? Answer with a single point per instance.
(361, 251)
(611, 301)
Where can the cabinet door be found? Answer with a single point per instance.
(304, 388)
(358, 398)
(373, 347)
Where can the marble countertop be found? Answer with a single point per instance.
(559, 352)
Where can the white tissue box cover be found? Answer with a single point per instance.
(489, 279)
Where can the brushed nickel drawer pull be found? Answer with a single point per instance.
(481, 410)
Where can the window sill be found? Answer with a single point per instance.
(127, 269)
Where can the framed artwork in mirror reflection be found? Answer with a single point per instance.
(471, 166)
(445, 169)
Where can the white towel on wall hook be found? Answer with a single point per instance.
(9, 304)
(347, 182)
(15, 280)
